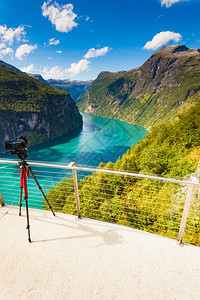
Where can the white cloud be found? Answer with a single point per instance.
(24, 50)
(6, 51)
(54, 72)
(75, 68)
(59, 73)
(53, 42)
(161, 39)
(28, 69)
(8, 35)
(62, 16)
(95, 53)
(2, 45)
(169, 3)
(81, 66)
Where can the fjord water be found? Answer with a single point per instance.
(100, 140)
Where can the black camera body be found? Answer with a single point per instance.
(18, 147)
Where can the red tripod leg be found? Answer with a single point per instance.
(21, 188)
(25, 183)
(25, 174)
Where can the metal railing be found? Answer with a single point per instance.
(160, 205)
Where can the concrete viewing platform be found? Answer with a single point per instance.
(86, 259)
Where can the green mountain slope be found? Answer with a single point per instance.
(166, 84)
(32, 108)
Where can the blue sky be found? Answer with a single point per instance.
(79, 39)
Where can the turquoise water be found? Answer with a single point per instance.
(101, 139)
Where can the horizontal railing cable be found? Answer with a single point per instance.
(106, 171)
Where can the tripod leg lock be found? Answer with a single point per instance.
(28, 227)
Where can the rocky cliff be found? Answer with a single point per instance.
(31, 108)
(166, 84)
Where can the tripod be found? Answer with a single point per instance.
(24, 169)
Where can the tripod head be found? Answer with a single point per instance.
(18, 147)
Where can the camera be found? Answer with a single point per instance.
(18, 147)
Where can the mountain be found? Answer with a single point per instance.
(31, 108)
(9, 66)
(74, 87)
(165, 85)
(38, 77)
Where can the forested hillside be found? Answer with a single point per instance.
(19, 92)
(165, 85)
(34, 109)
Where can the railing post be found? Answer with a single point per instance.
(1, 200)
(186, 210)
(73, 164)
